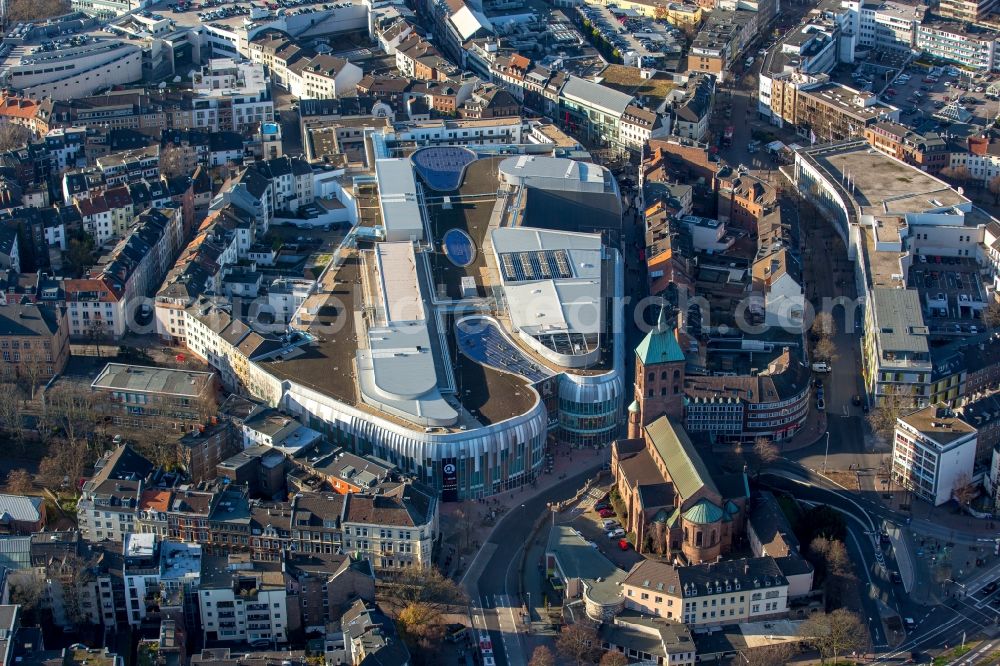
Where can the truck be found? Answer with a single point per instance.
(727, 137)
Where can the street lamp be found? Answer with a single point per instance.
(826, 451)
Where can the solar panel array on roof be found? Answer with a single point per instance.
(537, 265)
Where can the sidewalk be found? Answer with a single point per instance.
(813, 431)
(467, 525)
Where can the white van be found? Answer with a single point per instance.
(748, 61)
(821, 366)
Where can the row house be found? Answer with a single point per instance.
(106, 216)
(196, 271)
(130, 166)
(109, 500)
(417, 58)
(66, 147)
(34, 342)
(509, 72)
(105, 303)
(709, 595)
(928, 152)
(32, 114)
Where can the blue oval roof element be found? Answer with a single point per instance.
(459, 248)
(442, 167)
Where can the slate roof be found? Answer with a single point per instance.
(28, 320)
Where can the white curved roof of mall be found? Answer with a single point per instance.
(551, 173)
(553, 304)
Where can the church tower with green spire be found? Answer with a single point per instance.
(659, 373)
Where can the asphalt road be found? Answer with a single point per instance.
(968, 612)
(498, 584)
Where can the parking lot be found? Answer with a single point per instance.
(589, 524)
(652, 41)
(950, 286)
(922, 98)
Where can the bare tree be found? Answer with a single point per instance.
(11, 417)
(825, 350)
(542, 656)
(766, 453)
(823, 326)
(27, 589)
(834, 634)
(69, 411)
(64, 465)
(420, 597)
(579, 644)
(173, 160)
(960, 175)
(994, 187)
(613, 658)
(892, 404)
(13, 136)
(658, 536)
(72, 574)
(32, 368)
(19, 482)
(991, 314)
(964, 490)
(769, 655)
(34, 10)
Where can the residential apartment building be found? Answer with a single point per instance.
(320, 585)
(933, 453)
(826, 111)
(141, 556)
(708, 595)
(897, 356)
(201, 449)
(103, 305)
(394, 528)
(980, 157)
(928, 152)
(34, 342)
(230, 95)
(969, 11)
(109, 500)
(242, 600)
(970, 46)
(722, 37)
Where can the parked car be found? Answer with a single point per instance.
(624, 544)
(820, 404)
(605, 513)
(616, 533)
(821, 366)
(856, 400)
(601, 506)
(610, 524)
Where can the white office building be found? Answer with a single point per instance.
(933, 453)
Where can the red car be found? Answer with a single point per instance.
(605, 513)
(624, 544)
